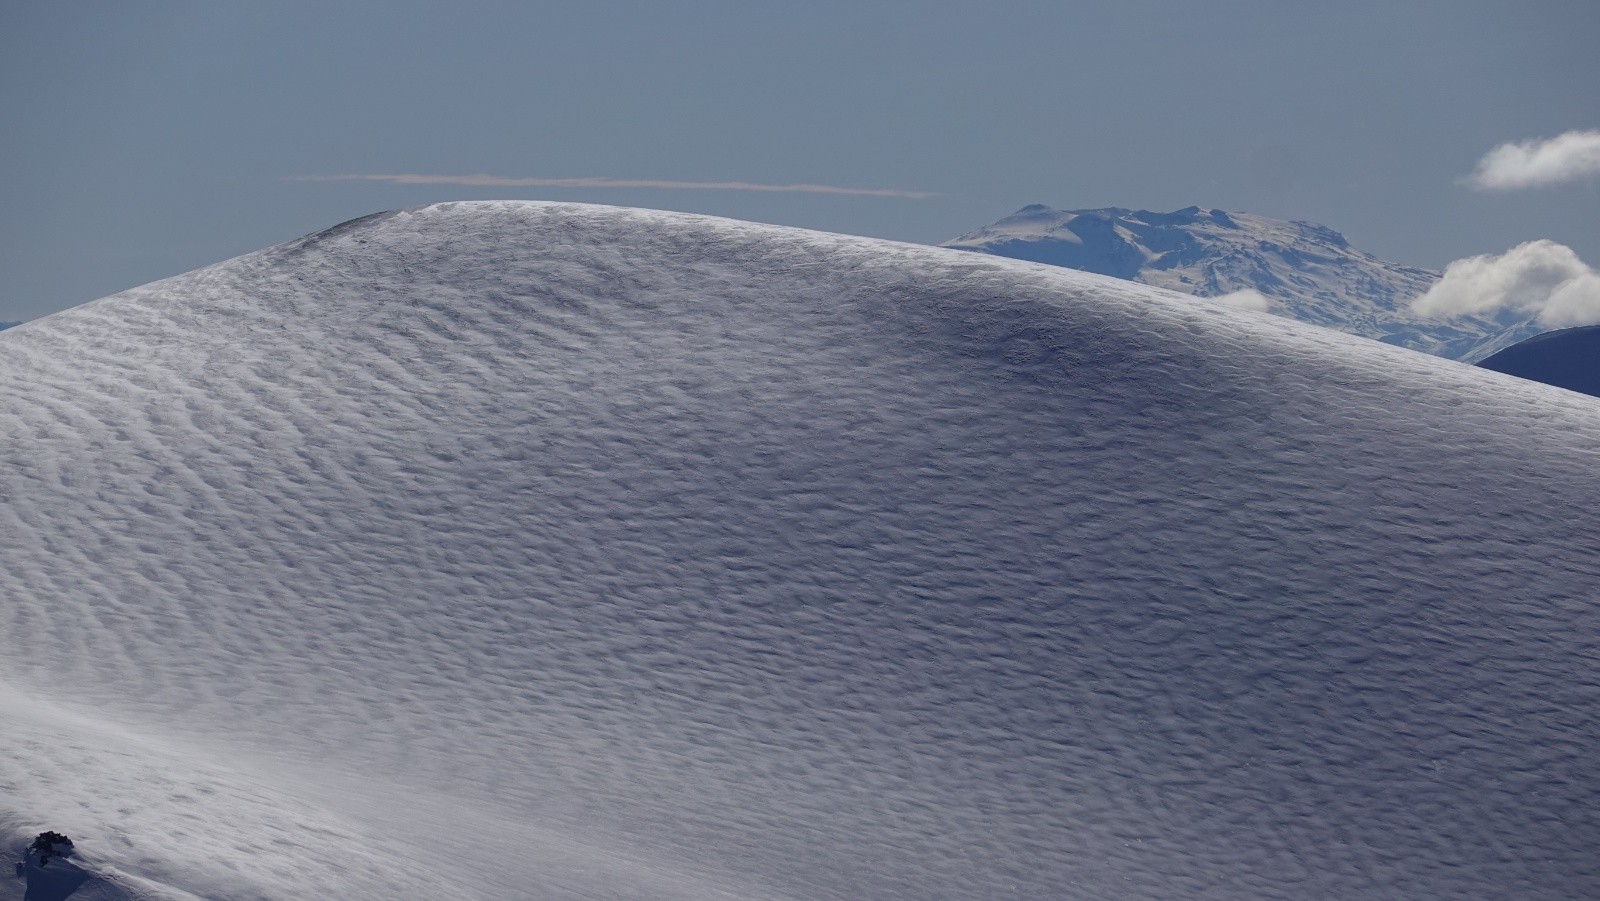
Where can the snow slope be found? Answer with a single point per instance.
(511, 550)
(1304, 271)
(1567, 358)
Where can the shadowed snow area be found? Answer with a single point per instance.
(510, 550)
(1567, 358)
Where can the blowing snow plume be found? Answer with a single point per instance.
(513, 550)
(1542, 278)
(1245, 299)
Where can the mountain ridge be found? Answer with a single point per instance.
(1304, 270)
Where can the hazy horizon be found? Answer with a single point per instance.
(146, 141)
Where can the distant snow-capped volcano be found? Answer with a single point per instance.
(1303, 270)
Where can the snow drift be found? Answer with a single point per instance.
(506, 550)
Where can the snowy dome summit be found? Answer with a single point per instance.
(508, 550)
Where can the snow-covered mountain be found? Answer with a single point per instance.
(523, 550)
(1304, 271)
(1567, 358)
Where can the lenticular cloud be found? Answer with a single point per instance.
(1540, 277)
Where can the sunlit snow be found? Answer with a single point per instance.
(522, 550)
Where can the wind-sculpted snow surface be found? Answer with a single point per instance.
(510, 550)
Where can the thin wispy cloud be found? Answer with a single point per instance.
(501, 181)
(1540, 277)
(1531, 164)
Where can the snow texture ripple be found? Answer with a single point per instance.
(511, 550)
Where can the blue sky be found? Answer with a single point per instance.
(146, 139)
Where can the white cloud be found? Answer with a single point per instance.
(502, 181)
(1575, 303)
(1539, 277)
(1527, 164)
(1246, 299)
